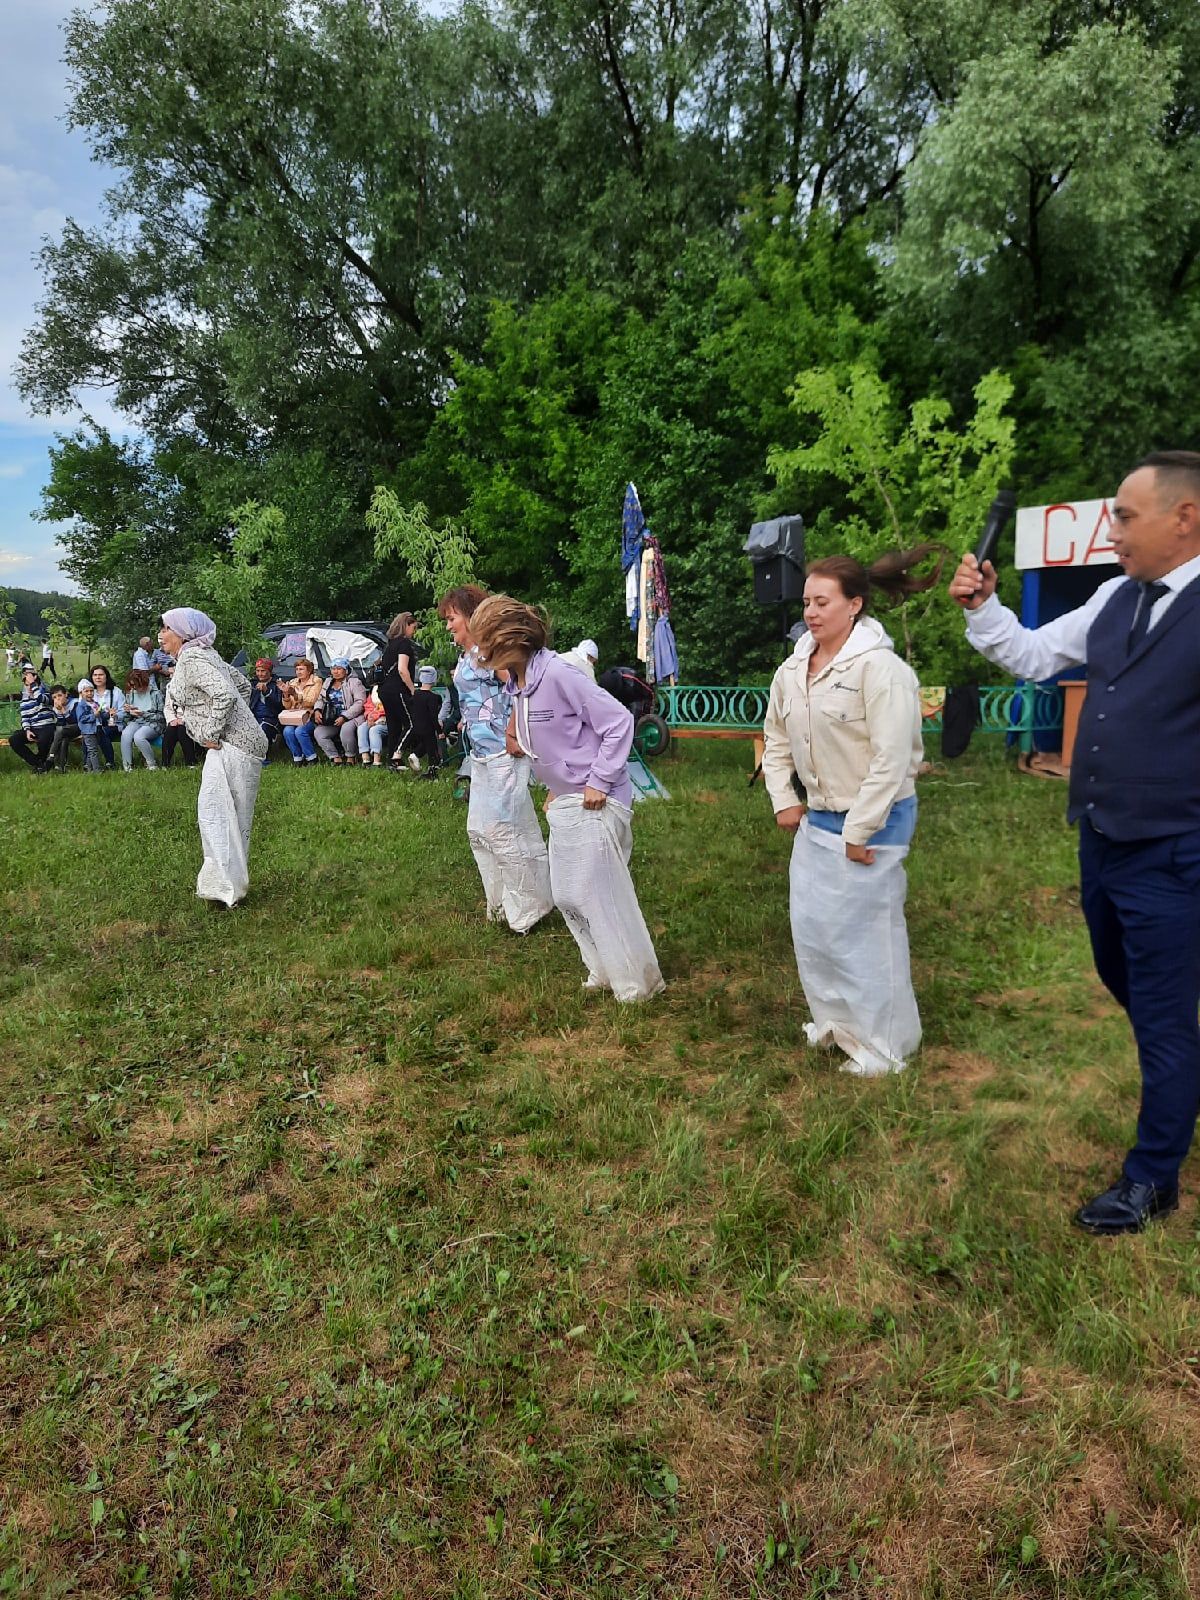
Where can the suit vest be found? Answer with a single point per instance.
(1135, 770)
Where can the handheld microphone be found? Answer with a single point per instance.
(1000, 510)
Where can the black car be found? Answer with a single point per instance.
(288, 645)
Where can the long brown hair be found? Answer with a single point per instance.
(889, 573)
(399, 622)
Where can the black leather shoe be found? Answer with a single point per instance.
(1126, 1208)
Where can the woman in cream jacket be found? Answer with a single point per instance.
(844, 719)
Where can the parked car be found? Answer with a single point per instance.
(292, 641)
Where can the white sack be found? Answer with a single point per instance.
(589, 874)
(852, 951)
(225, 810)
(507, 843)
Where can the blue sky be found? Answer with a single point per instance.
(46, 175)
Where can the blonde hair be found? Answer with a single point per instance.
(506, 626)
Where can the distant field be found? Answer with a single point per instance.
(348, 1249)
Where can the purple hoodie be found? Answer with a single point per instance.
(575, 732)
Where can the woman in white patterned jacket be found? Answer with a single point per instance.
(212, 701)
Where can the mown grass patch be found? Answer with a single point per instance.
(350, 1249)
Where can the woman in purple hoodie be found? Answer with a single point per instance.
(578, 738)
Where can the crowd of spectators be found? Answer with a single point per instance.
(341, 718)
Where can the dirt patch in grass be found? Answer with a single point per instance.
(113, 934)
(350, 1091)
(194, 1122)
(1096, 1489)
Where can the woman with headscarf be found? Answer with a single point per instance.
(212, 698)
(339, 712)
(266, 699)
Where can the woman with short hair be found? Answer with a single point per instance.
(300, 698)
(212, 699)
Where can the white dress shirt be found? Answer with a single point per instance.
(1038, 653)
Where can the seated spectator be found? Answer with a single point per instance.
(145, 720)
(372, 731)
(299, 702)
(110, 706)
(34, 737)
(141, 656)
(88, 716)
(66, 729)
(339, 712)
(266, 701)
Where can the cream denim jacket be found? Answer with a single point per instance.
(852, 733)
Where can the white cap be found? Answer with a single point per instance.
(589, 647)
(84, 683)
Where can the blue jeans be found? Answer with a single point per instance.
(1141, 900)
(300, 742)
(899, 827)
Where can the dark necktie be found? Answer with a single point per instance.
(1151, 592)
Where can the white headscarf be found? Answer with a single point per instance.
(192, 626)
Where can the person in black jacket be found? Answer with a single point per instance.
(397, 683)
(266, 700)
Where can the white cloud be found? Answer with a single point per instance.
(14, 558)
(12, 469)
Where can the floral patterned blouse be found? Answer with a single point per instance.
(213, 701)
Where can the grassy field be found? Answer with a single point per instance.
(349, 1249)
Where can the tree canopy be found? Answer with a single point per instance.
(494, 263)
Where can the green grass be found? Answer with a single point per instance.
(349, 1249)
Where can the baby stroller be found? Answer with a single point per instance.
(651, 732)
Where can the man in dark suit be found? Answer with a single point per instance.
(1135, 792)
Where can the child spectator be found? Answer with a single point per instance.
(372, 731)
(66, 729)
(426, 722)
(89, 717)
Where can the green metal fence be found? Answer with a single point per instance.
(1005, 708)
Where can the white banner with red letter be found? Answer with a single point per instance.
(1074, 533)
